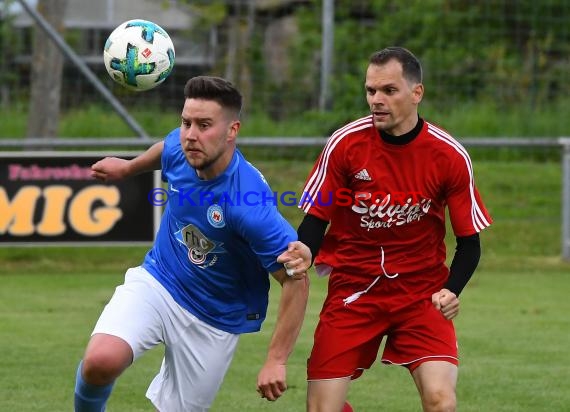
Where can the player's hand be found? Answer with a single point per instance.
(110, 169)
(446, 302)
(296, 259)
(272, 381)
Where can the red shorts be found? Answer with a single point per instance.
(348, 337)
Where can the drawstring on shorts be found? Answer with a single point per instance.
(356, 295)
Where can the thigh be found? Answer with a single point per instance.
(421, 334)
(436, 382)
(197, 357)
(347, 337)
(327, 395)
(435, 377)
(135, 312)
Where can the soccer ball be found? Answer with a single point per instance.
(139, 55)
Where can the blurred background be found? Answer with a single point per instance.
(491, 67)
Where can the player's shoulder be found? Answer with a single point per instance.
(173, 136)
(352, 132)
(249, 175)
(354, 128)
(172, 141)
(172, 155)
(441, 139)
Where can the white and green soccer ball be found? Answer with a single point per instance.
(139, 55)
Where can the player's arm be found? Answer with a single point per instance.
(463, 265)
(272, 379)
(114, 168)
(311, 232)
(468, 217)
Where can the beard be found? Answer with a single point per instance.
(202, 162)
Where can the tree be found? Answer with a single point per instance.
(46, 73)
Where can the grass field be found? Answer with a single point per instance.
(462, 120)
(513, 327)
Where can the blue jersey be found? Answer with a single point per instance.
(217, 241)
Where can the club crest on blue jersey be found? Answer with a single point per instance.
(215, 216)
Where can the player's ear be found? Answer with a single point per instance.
(418, 93)
(233, 129)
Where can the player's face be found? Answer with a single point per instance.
(207, 136)
(393, 101)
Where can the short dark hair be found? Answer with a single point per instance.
(411, 66)
(214, 88)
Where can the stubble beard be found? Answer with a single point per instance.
(201, 164)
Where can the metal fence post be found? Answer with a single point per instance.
(327, 40)
(565, 142)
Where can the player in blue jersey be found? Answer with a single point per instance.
(205, 280)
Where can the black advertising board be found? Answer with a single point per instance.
(51, 198)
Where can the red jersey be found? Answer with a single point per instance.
(387, 201)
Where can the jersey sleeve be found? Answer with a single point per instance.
(467, 212)
(266, 231)
(326, 182)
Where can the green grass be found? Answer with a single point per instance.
(512, 329)
(513, 334)
(464, 120)
(490, 119)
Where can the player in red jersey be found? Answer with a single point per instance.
(385, 251)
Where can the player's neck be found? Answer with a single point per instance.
(403, 138)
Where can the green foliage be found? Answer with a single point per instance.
(480, 54)
(210, 12)
(470, 51)
(490, 69)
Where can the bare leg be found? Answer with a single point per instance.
(436, 382)
(327, 395)
(106, 357)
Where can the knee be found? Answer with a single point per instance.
(106, 357)
(102, 366)
(100, 369)
(439, 401)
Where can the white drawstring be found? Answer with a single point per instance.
(356, 295)
(382, 266)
